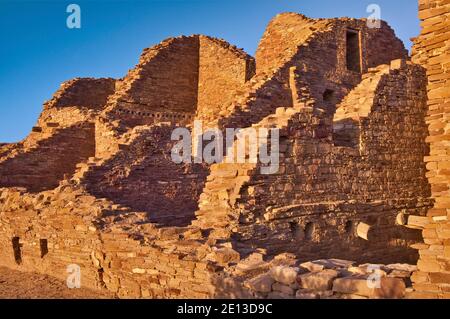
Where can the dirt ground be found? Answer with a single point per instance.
(15, 284)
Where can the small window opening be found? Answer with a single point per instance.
(328, 96)
(43, 243)
(17, 250)
(309, 231)
(297, 231)
(349, 227)
(353, 51)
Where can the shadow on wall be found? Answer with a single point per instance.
(346, 133)
(144, 178)
(43, 167)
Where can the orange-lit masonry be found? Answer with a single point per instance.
(94, 184)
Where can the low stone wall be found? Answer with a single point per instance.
(45, 164)
(66, 227)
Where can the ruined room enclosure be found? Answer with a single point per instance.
(43, 166)
(352, 127)
(144, 178)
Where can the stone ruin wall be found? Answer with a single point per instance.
(201, 65)
(315, 73)
(432, 51)
(82, 92)
(56, 229)
(115, 261)
(119, 250)
(270, 87)
(287, 30)
(62, 138)
(323, 190)
(43, 166)
(69, 108)
(144, 178)
(224, 69)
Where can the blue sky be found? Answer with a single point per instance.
(38, 51)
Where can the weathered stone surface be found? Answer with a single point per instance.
(94, 183)
(312, 266)
(278, 295)
(306, 295)
(322, 280)
(285, 275)
(283, 289)
(226, 255)
(389, 287)
(262, 283)
(432, 50)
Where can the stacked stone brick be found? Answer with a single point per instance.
(432, 51)
(284, 277)
(94, 183)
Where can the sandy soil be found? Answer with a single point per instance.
(16, 284)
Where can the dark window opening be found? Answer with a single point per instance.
(17, 250)
(350, 227)
(329, 101)
(328, 96)
(309, 231)
(353, 51)
(293, 226)
(297, 231)
(44, 247)
(101, 277)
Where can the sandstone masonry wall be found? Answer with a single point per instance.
(370, 183)
(143, 176)
(222, 69)
(65, 226)
(43, 166)
(126, 215)
(82, 92)
(321, 192)
(432, 51)
(166, 78)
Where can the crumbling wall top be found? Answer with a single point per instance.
(82, 92)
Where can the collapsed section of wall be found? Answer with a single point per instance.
(339, 185)
(322, 191)
(43, 166)
(174, 81)
(143, 176)
(82, 92)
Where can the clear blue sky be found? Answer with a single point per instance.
(38, 51)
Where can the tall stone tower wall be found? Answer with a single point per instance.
(432, 51)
